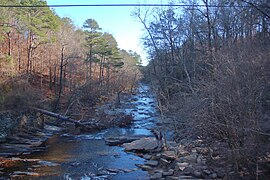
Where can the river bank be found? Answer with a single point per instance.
(138, 148)
(139, 106)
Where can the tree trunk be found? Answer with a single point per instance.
(60, 80)
(59, 116)
(108, 77)
(55, 80)
(29, 53)
(152, 40)
(101, 69)
(19, 53)
(209, 35)
(50, 74)
(9, 43)
(83, 127)
(90, 67)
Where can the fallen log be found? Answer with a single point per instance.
(88, 126)
(55, 115)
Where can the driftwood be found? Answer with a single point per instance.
(83, 126)
(55, 115)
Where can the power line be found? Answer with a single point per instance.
(118, 5)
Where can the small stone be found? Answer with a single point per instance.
(164, 161)
(172, 144)
(213, 176)
(185, 177)
(183, 153)
(194, 151)
(188, 171)
(158, 171)
(101, 173)
(144, 167)
(152, 163)
(191, 158)
(169, 155)
(47, 163)
(172, 178)
(203, 167)
(203, 163)
(112, 170)
(199, 159)
(75, 164)
(207, 172)
(182, 166)
(220, 174)
(169, 173)
(203, 151)
(156, 176)
(197, 174)
(147, 156)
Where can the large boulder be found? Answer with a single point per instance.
(143, 145)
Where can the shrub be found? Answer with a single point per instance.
(17, 94)
(235, 95)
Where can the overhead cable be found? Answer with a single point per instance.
(119, 5)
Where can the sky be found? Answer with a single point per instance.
(117, 21)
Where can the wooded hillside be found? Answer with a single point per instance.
(46, 61)
(210, 64)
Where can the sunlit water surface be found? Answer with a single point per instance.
(87, 156)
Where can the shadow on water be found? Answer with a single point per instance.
(87, 156)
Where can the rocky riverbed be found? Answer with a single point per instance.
(72, 153)
(171, 160)
(141, 150)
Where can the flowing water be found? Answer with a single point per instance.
(86, 156)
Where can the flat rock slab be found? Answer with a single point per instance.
(144, 167)
(169, 155)
(143, 145)
(16, 162)
(147, 156)
(113, 170)
(156, 176)
(21, 174)
(11, 149)
(168, 173)
(48, 163)
(151, 163)
(116, 141)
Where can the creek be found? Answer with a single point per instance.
(86, 156)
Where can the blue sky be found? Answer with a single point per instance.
(115, 20)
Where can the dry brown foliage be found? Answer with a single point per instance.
(17, 94)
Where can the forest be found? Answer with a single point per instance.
(41, 65)
(208, 65)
